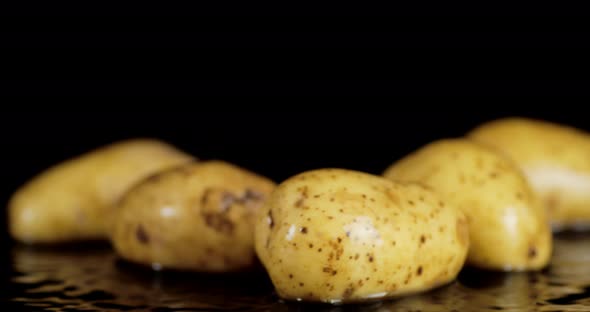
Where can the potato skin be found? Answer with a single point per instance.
(337, 235)
(554, 157)
(72, 201)
(509, 230)
(197, 217)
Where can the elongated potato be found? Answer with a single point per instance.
(508, 228)
(336, 235)
(73, 200)
(555, 159)
(197, 217)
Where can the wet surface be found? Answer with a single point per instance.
(94, 279)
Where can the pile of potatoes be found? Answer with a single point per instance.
(490, 199)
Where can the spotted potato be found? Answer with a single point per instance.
(337, 236)
(73, 200)
(508, 228)
(556, 160)
(197, 217)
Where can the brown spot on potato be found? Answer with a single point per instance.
(419, 271)
(299, 202)
(330, 271)
(301, 284)
(348, 292)
(493, 175)
(422, 239)
(271, 222)
(408, 278)
(291, 276)
(219, 222)
(154, 178)
(142, 235)
(304, 193)
(216, 204)
(252, 195)
(411, 202)
(310, 245)
(532, 253)
(319, 250)
(304, 230)
(392, 196)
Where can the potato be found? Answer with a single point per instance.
(555, 159)
(508, 228)
(72, 201)
(338, 235)
(197, 217)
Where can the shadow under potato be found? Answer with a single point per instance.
(250, 281)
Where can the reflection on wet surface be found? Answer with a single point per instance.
(95, 280)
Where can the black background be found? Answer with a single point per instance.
(275, 144)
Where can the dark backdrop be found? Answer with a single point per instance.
(277, 145)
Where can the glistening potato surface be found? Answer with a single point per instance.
(335, 235)
(197, 217)
(508, 228)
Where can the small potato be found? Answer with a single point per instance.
(197, 217)
(556, 160)
(72, 201)
(336, 235)
(508, 228)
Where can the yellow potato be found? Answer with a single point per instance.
(336, 235)
(73, 200)
(508, 227)
(556, 160)
(197, 217)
